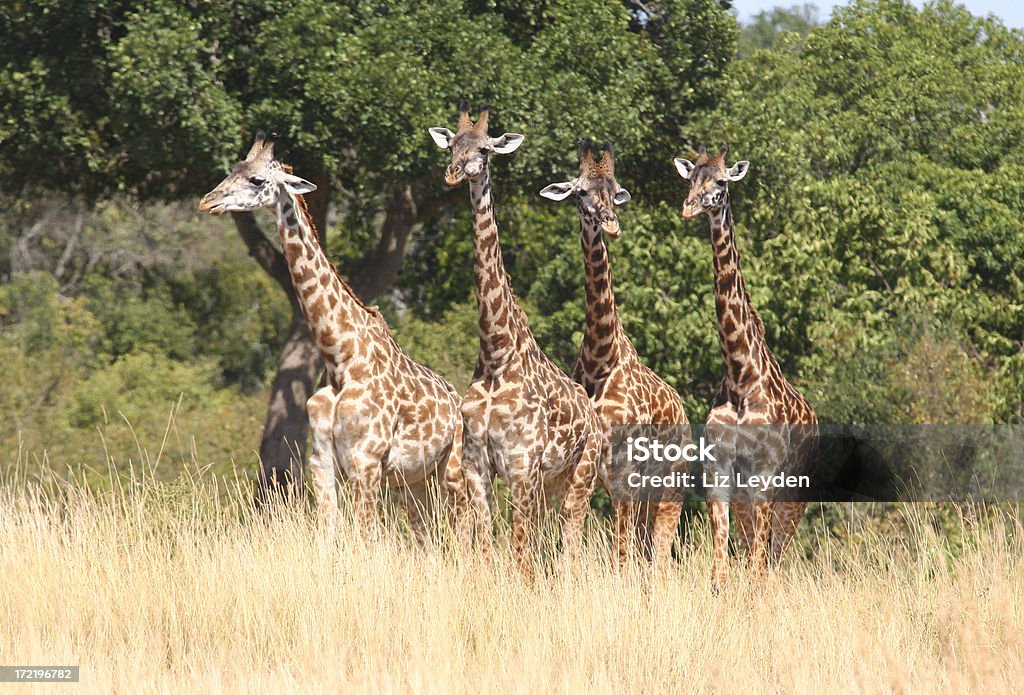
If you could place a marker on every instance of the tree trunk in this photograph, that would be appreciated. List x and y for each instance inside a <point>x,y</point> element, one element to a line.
<point>285,429</point>
<point>381,266</point>
<point>283,445</point>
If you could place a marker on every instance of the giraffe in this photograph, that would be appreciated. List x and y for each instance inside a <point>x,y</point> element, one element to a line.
<point>378,414</point>
<point>623,389</point>
<point>755,407</point>
<point>523,418</point>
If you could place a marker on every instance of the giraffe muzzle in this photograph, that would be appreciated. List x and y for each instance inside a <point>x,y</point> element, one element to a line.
<point>454,174</point>
<point>612,229</point>
<point>210,204</point>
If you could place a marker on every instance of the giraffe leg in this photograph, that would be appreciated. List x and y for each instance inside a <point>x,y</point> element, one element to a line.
<point>665,527</point>
<point>524,489</point>
<point>416,500</point>
<point>482,501</point>
<point>719,513</point>
<point>668,512</point>
<point>577,496</point>
<point>623,515</point>
<point>366,479</point>
<point>784,523</point>
<point>479,494</point>
<point>744,513</point>
<point>721,430</point>
<point>322,464</point>
<point>800,457</point>
<point>625,523</point>
<point>758,558</point>
<point>643,526</point>
<point>457,491</point>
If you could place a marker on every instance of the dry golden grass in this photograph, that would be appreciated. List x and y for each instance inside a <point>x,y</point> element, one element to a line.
<point>176,588</point>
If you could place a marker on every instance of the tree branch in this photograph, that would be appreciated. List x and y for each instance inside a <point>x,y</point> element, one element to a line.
<point>319,201</point>
<point>270,259</point>
<point>408,205</point>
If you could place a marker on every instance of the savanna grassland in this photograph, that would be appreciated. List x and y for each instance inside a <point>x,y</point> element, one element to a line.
<point>162,587</point>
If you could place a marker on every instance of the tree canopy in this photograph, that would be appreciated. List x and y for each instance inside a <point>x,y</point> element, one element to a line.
<point>880,226</point>
<point>159,99</point>
<point>155,101</point>
<point>883,208</point>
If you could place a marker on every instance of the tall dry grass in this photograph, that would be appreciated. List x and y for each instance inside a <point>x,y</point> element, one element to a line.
<point>177,588</point>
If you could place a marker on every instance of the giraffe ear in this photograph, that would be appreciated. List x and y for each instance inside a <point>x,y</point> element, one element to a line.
<point>684,166</point>
<point>297,185</point>
<point>621,196</point>
<point>559,191</point>
<point>738,170</point>
<point>507,143</point>
<point>442,137</point>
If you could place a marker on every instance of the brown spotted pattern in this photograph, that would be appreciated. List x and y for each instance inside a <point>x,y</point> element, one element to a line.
<point>381,417</point>
<point>622,388</point>
<point>753,390</point>
<point>524,419</point>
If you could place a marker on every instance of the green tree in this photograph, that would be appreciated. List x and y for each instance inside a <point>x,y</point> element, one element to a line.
<point>881,189</point>
<point>765,28</point>
<point>157,99</point>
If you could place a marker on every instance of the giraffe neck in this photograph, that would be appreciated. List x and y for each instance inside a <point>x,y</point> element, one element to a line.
<point>601,348</point>
<point>740,331</point>
<point>500,317</point>
<point>335,315</point>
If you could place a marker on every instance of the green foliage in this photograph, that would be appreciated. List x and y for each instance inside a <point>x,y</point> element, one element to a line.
<point>67,407</point>
<point>438,272</point>
<point>135,382</point>
<point>37,319</point>
<point>880,227</point>
<point>131,320</point>
<point>449,345</point>
<point>157,101</point>
<point>167,103</point>
<point>767,26</point>
<point>132,366</point>
<point>239,319</point>
<point>46,341</point>
<point>879,188</point>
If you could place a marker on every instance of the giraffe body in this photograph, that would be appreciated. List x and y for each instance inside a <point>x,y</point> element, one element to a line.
<point>380,416</point>
<point>524,419</point>
<point>761,421</point>
<point>623,389</point>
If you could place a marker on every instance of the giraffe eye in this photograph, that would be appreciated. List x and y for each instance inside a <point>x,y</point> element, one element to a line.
<point>257,180</point>
<point>483,150</point>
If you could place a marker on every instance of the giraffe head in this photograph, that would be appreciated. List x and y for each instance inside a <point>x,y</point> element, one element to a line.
<point>471,145</point>
<point>597,191</point>
<point>709,181</point>
<point>255,182</point>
